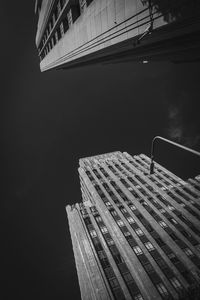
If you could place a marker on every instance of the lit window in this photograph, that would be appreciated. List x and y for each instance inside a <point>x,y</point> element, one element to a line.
<point>163,188</point>
<point>130,220</point>
<point>188,252</point>
<point>120,223</point>
<point>127,233</point>
<point>69,18</point>
<point>132,207</point>
<point>171,207</point>
<point>123,210</point>
<point>174,221</point>
<point>98,219</point>
<point>62,29</point>
<point>93,233</point>
<point>176,283</point>
<point>130,188</point>
<point>162,224</point>
<point>162,289</point>
<point>137,250</point>
<point>104,229</point>
<point>139,232</point>
<point>149,246</point>
<point>138,297</point>
<point>107,203</point>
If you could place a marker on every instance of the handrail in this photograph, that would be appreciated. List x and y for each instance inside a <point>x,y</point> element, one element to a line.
<point>170,142</point>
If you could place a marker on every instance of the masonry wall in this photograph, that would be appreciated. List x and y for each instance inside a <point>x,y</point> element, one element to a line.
<point>147,227</point>
<point>103,24</point>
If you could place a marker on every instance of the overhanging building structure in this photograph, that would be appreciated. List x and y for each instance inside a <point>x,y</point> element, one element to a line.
<point>135,235</point>
<point>80,32</point>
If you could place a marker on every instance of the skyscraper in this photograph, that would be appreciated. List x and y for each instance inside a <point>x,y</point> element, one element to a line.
<point>135,235</point>
<point>80,32</point>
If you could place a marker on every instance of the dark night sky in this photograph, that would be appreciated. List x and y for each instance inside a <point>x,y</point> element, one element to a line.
<point>52,119</point>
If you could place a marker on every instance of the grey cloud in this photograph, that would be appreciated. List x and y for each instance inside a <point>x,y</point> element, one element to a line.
<point>180,131</point>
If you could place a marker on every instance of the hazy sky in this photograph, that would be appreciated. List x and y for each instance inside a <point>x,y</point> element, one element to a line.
<point>52,119</point>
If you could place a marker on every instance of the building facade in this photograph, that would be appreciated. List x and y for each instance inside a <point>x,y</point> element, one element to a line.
<point>80,32</point>
<point>135,235</point>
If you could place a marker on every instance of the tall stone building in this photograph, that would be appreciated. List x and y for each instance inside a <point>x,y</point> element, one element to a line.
<point>135,235</point>
<point>80,32</point>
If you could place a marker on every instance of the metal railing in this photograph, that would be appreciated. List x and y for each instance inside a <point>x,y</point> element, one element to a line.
<point>170,142</point>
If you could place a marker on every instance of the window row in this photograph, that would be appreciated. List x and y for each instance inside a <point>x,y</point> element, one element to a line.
<point>59,23</point>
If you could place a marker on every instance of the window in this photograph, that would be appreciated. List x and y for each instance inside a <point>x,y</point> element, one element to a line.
<point>113,282</point>
<point>123,210</point>
<point>107,203</point>
<point>52,42</point>
<point>128,277</point>
<point>162,289</point>
<point>127,233</point>
<point>53,19</point>
<point>138,297</point>
<point>58,8</point>
<point>162,224</point>
<point>132,207</point>
<point>171,207</point>
<point>69,18</point>
<point>98,219</point>
<point>149,246</point>
<point>162,264</point>
<point>120,223</point>
<point>173,258</point>
<point>93,233</point>
<point>149,269</point>
<point>176,283</point>
<point>137,250</point>
<point>130,188</point>
<point>130,220</point>
<point>56,36</point>
<point>50,26</point>
<point>104,229</point>
<point>174,236</point>
<point>188,252</point>
<point>102,254</point>
<point>174,221</point>
<point>110,242</point>
<point>139,232</point>
<point>83,5</point>
<point>62,29</point>
<point>162,210</point>
<point>105,263</point>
